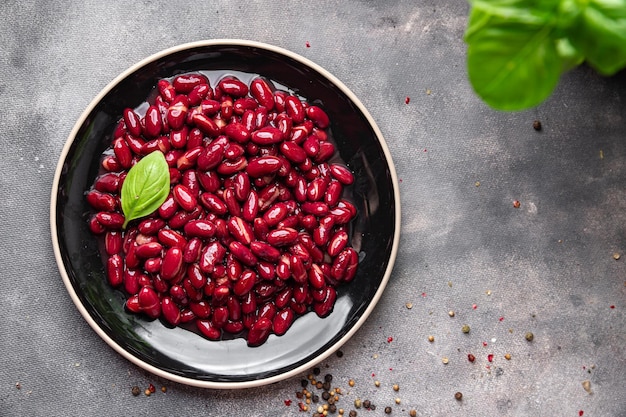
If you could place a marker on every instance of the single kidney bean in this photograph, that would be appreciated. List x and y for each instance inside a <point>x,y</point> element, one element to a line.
<point>262,93</point>
<point>353,263</point>
<point>265,251</point>
<point>316,277</point>
<point>237,132</point>
<point>113,242</point>
<point>152,265</point>
<point>283,321</point>
<point>166,90</point>
<point>171,238</point>
<point>250,207</point>
<point>316,189</point>
<point>318,116</point>
<point>220,313</point>
<point>132,304</point>
<point>283,266</point>
<point>200,309</point>
<point>240,230</point>
<point>149,250</point>
<point>151,226</point>
<point>240,105</point>
<point>293,152</point>
<point>325,307</point>
<point>234,327</point>
<point>259,331</point>
<point>185,199</point>
<point>108,183</point>
<point>201,228</point>
<point>177,112</point>
<point>192,293</point>
<point>333,193</point>
<point>112,221</point>
<point>111,164</point>
<point>282,237</point>
<point>294,109</point>
<point>327,150</point>
<point>185,83</point>
<point>266,270</point>
<point>234,208</point>
<point>275,214</point>
<point>208,329</point>
<point>342,174</point>
<point>171,312</point>
<point>315,208</point>
<point>149,302</point>
<point>191,251</point>
<point>233,87</point>
<point>245,283</point>
<point>234,309</point>
<point>248,304</point>
<point>337,243</point>
<point>123,153</point>
<point>136,145</point>
<point>210,157</point>
<point>199,93</point>
<point>283,297</point>
<point>228,168</point>
<point>298,270</point>
<point>181,217</point>
<point>187,316</point>
<point>172,263</point>
<point>212,254</point>
<point>115,270</point>
<point>262,166</point>
<point>179,137</point>
<point>132,122</point>
<point>102,201</point>
<point>213,203</point>
<point>152,122</point>
<point>207,125</point>
<point>267,135</point>
<point>242,253</point>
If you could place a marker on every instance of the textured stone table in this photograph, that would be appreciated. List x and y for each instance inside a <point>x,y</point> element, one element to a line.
<point>546,267</point>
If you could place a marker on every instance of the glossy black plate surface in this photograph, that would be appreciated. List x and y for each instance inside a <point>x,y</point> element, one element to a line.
<point>182,355</point>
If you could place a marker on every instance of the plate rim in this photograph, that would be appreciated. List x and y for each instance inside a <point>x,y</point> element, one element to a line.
<point>163,373</point>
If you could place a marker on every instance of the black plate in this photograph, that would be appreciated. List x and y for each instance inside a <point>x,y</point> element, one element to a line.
<point>181,355</point>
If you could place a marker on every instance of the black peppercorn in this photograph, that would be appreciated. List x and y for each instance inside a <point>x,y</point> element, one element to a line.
<point>458,396</point>
<point>315,398</point>
<point>352,413</point>
<point>332,408</point>
<point>135,390</point>
<point>304,383</point>
<point>537,125</point>
<point>387,410</point>
<point>326,386</point>
<point>367,403</point>
<point>316,371</point>
<point>325,395</point>
<point>328,378</point>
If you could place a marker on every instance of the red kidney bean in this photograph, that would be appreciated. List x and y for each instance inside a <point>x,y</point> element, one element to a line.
<point>213,203</point>
<point>228,168</point>
<point>135,144</point>
<point>294,109</point>
<point>123,153</point>
<point>283,270</point>
<point>233,87</point>
<point>132,304</point>
<point>200,229</point>
<point>234,327</point>
<point>192,293</point>
<point>151,226</point>
<point>199,93</point>
<point>101,201</point>
<point>265,251</point>
<point>172,263</point>
<point>316,277</point>
<point>152,122</point>
<point>115,270</point>
<point>267,135</point>
<point>327,150</point>
<point>108,183</point>
<point>185,83</point>
<point>207,125</point>
<point>353,263</point>
<point>179,138</point>
<point>283,297</point>
<point>316,254</point>
<point>177,112</point>
<point>318,116</point>
<point>149,302</point>
<point>333,193</point>
<point>191,251</point>
<point>301,252</point>
<point>237,132</point>
<point>283,321</point>
<point>242,253</point>
<point>293,152</point>
<point>166,90</point>
<point>153,265</point>
<point>200,309</point>
<point>171,312</point>
<point>178,294</point>
<point>266,270</point>
<point>220,314</point>
<point>171,238</point>
<point>316,189</point>
<point>210,107</point>
<point>342,174</point>
<point>259,331</point>
<point>262,166</point>
<point>234,208</point>
<point>248,304</point>
<point>325,307</point>
<point>148,250</point>
<point>208,329</point>
<point>282,237</point>
<point>113,242</point>
<point>111,164</point>
<point>132,122</point>
<point>240,105</point>
<point>240,230</point>
<point>113,221</point>
<point>315,208</point>
<point>212,254</point>
<point>299,134</point>
<point>298,270</point>
<point>262,92</point>
<point>337,243</point>
<point>275,214</point>
<point>185,199</point>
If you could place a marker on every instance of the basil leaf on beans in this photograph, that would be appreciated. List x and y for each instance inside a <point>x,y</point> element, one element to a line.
<point>146,187</point>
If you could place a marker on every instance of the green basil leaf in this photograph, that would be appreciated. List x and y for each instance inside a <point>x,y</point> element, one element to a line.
<point>511,65</point>
<point>146,187</point>
<point>600,34</point>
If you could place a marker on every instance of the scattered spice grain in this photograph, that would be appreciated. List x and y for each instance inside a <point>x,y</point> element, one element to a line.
<point>451,313</point>
<point>537,125</point>
<point>465,328</point>
<point>529,336</point>
<point>387,410</point>
<point>458,396</point>
<point>431,339</point>
<point>507,356</point>
<point>135,390</point>
<point>396,387</point>
<point>413,413</point>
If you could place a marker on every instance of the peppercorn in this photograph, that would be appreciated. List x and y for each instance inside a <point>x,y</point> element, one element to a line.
<point>319,385</point>
<point>397,400</point>
<point>387,410</point>
<point>164,389</point>
<point>147,392</point>
<point>537,125</point>
<point>458,396</point>
<point>372,407</point>
<point>299,395</point>
<point>135,390</point>
<point>471,357</point>
<point>431,338</point>
<point>357,403</point>
<point>413,413</point>
<point>444,360</point>
<point>325,395</point>
<point>451,313</point>
<point>352,413</point>
<point>328,378</point>
<point>507,356</point>
<point>332,408</point>
<point>339,354</point>
<point>315,398</point>
<point>351,382</point>
<point>465,328</point>
<point>304,383</point>
<point>367,403</point>
<point>377,383</point>
<point>316,371</point>
<point>529,336</point>
<point>396,387</point>
<point>326,386</point>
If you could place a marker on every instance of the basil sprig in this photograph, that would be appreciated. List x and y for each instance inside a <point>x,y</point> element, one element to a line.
<point>146,187</point>
<point>518,49</point>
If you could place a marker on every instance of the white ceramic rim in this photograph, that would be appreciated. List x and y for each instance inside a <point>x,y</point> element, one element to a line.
<point>190,381</point>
